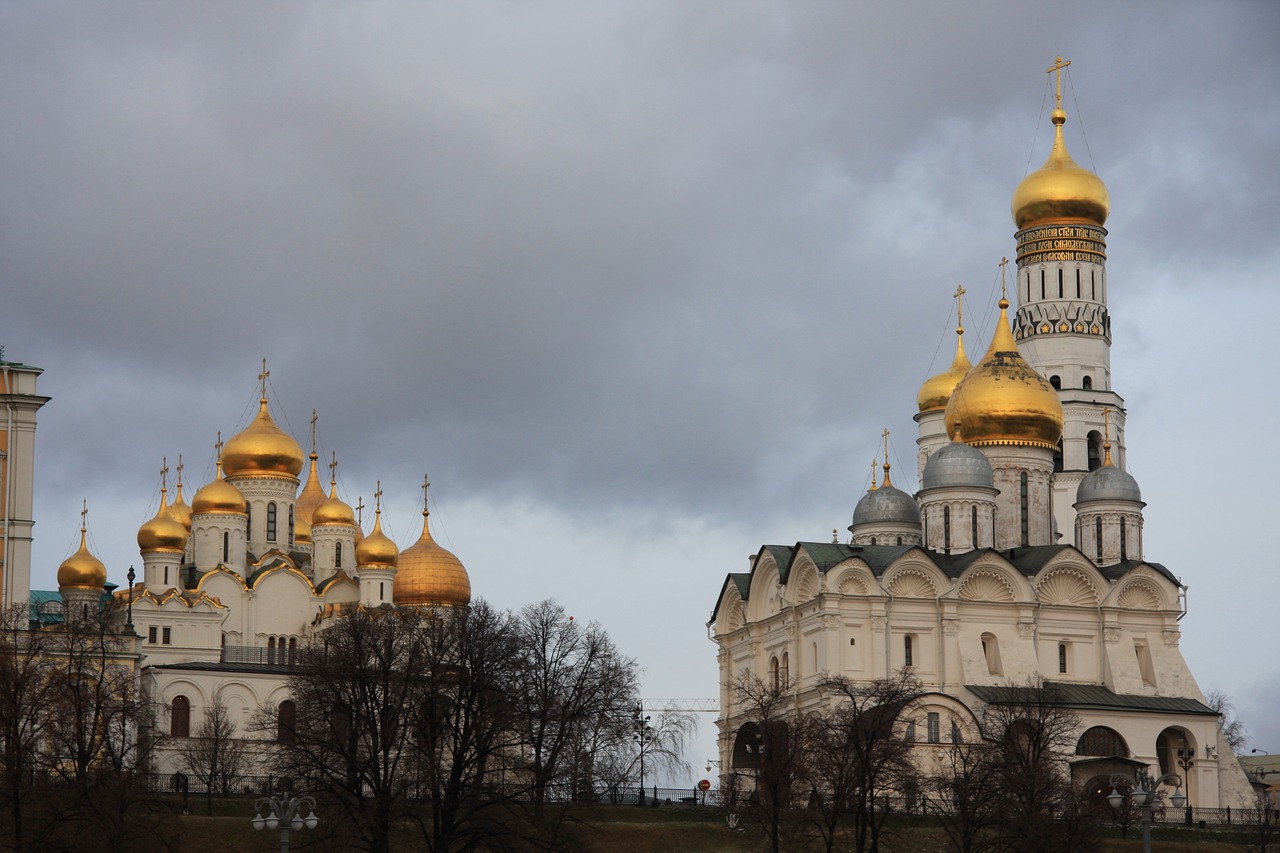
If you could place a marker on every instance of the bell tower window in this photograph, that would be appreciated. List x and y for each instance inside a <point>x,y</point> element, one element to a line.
<point>271,522</point>
<point>1023,508</point>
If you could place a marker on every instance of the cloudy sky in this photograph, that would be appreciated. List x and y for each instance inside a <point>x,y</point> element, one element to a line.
<point>638,284</point>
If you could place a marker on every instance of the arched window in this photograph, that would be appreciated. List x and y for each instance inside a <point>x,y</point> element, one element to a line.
<point>293,650</point>
<point>337,555</point>
<point>1097,532</point>
<point>1101,740</point>
<point>286,721</point>
<point>1056,382</point>
<point>1024,509</point>
<point>1042,283</point>
<point>908,658</point>
<point>290,527</point>
<point>271,649</point>
<point>786,668</point>
<point>1095,450</point>
<point>226,546</point>
<point>1063,658</point>
<point>1124,550</point>
<point>1087,382</point>
<point>1059,282</point>
<point>271,522</point>
<point>991,651</point>
<point>773,673</point>
<point>974,515</point>
<point>180,717</point>
<point>248,525</point>
<point>946,530</point>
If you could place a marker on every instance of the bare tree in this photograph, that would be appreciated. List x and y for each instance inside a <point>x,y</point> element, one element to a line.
<point>965,783</point>
<point>1233,730</point>
<point>569,677</point>
<point>216,756</point>
<point>858,759</point>
<point>24,681</point>
<point>1261,824</point>
<point>774,739</point>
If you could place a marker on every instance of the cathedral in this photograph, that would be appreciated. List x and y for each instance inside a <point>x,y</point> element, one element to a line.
<point>233,582</point>
<point>1021,557</point>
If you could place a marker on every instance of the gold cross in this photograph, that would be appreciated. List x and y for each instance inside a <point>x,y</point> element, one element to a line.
<point>873,474</point>
<point>960,291</point>
<point>217,446</point>
<point>179,469</point>
<point>1004,265</point>
<point>333,469</point>
<point>426,486</point>
<point>164,471</point>
<point>314,418</point>
<point>1058,65</point>
<point>360,509</point>
<point>262,377</point>
<point>886,457</point>
<point>84,511</point>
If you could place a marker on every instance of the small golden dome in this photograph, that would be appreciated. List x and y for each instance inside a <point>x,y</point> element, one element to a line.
<point>1060,190</point>
<point>262,448</point>
<point>312,494</point>
<point>377,551</point>
<point>1004,400</point>
<point>334,510</point>
<point>218,496</point>
<point>430,575</point>
<point>164,532</point>
<point>82,570</point>
<point>301,532</point>
<point>936,391</point>
<point>179,509</point>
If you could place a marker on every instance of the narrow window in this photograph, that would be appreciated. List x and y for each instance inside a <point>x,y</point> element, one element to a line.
<point>180,717</point>
<point>382,591</point>
<point>248,525</point>
<point>1088,383</point>
<point>293,651</point>
<point>1056,382</point>
<point>1059,282</point>
<point>899,540</point>
<point>1093,286</point>
<point>166,575</point>
<point>290,527</point>
<point>1077,282</point>
<point>286,721</point>
<point>1124,550</point>
<point>910,734</point>
<point>1062,658</point>
<point>271,649</point>
<point>1023,507</point>
<point>166,635</point>
<point>974,519</point>
<point>226,546</point>
<point>271,522</point>
<point>946,529</point>
<point>1057,458</point>
<point>956,735</point>
<point>1042,284</point>
<point>1028,285</point>
<point>1144,664</point>
<point>337,555</point>
<point>873,540</point>
<point>774,673</point>
<point>991,651</point>
<point>934,727</point>
<point>151,635</point>
<point>785,673</point>
<point>907,658</point>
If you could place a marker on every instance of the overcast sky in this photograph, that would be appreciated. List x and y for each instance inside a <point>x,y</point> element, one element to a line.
<point>638,284</point>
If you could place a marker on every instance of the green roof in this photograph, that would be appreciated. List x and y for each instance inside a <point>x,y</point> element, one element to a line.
<point>1094,697</point>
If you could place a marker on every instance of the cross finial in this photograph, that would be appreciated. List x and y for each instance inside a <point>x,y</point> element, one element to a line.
<point>1058,65</point>
<point>164,472</point>
<point>1004,290</point>
<point>360,510</point>
<point>377,497</point>
<point>874,463</point>
<point>179,469</point>
<point>333,469</point>
<point>426,488</point>
<point>960,292</point>
<point>262,377</point>
<point>217,446</point>
<point>314,418</point>
<point>84,512</point>
<point>886,457</point>
<point>1106,437</point>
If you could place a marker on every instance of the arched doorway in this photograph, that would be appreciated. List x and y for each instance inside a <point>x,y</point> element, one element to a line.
<point>1176,753</point>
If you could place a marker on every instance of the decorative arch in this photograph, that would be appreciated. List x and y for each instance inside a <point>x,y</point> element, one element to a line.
<point>986,585</point>
<point>912,583</point>
<point>1140,595</point>
<point>1102,741</point>
<point>763,599</point>
<point>1068,587</point>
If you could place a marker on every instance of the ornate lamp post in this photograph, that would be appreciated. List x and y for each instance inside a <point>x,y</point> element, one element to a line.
<point>286,813</point>
<point>642,736</point>
<point>129,618</point>
<point>1143,796</point>
<point>1186,760</point>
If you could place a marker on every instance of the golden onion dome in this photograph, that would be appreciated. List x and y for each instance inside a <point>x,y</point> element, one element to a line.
<point>218,496</point>
<point>377,551</point>
<point>179,509</point>
<point>82,570</point>
<point>1004,400</point>
<point>163,532</point>
<point>936,391</point>
<point>262,448</point>
<point>430,575</point>
<point>312,494</point>
<point>301,532</point>
<point>334,510</point>
<point>1060,190</point>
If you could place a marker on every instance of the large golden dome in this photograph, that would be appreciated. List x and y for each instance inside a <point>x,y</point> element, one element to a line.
<point>430,575</point>
<point>262,449</point>
<point>377,551</point>
<point>1004,400</point>
<point>1060,190</point>
<point>164,532</point>
<point>936,391</point>
<point>82,570</point>
<point>334,510</point>
<point>218,496</point>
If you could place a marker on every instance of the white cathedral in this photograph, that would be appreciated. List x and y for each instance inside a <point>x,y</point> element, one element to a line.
<point>1021,557</point>
<point>233,582</point>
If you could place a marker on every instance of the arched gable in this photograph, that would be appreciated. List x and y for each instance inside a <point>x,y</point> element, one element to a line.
<point>911,577</point>
<point>952,709</point>
<point>341,588</point>
<point>987,583</point>
<point>1139,594</point>
<point>223,584</point>
<point>731,613</point>
<point>1070,580</point>
<point>764,600</point>
<point>183,686</point>
<point>803,584</point>
<point>280,577</point>
<point>852,577</point>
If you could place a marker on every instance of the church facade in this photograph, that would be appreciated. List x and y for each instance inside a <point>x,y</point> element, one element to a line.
<point>1021,557</point>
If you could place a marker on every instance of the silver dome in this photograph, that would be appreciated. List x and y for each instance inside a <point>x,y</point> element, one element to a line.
<point>957,464</point>
<point>886,504</point>
<point>1108,483</point>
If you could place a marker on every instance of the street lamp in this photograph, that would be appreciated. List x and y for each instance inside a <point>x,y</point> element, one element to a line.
<point>643,734</point>
<point>1186,760</point>
<point>286,813</point>
<point>1143,796</point>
